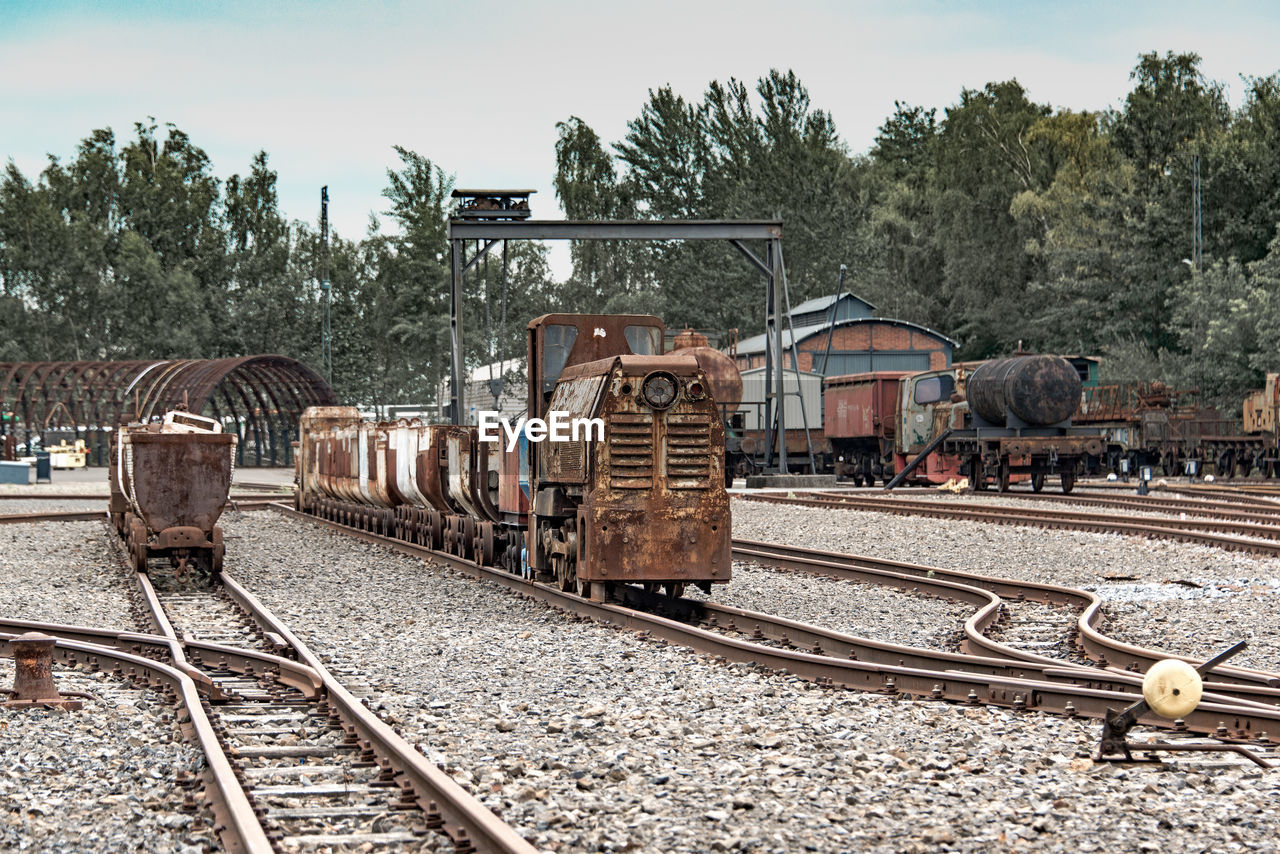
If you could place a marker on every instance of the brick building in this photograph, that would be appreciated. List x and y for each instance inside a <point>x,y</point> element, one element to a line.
<point>853,342</point>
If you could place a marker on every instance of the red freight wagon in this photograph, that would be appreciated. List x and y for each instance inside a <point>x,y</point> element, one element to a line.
<point>859,417</point>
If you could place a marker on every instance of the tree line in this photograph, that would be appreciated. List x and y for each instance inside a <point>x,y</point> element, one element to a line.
<point>999,220</point>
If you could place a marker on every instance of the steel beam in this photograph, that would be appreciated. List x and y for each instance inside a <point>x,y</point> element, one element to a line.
<point>615,230</point>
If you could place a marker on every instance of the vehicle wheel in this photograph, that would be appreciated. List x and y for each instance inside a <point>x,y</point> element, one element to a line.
<point>1068,481</point>
<point>977,480</point>
<point>486,541</point>
<point>1004,475</point>
<point>1037,481</point>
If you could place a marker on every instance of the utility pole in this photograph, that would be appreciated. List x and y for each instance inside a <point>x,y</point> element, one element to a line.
<point>1197,221</point>
<point>326,334</point>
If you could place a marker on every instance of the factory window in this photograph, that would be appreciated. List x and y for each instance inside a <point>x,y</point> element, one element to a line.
<point>934,389</point>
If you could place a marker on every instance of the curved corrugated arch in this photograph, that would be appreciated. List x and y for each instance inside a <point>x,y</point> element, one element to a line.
<point>259,397</point>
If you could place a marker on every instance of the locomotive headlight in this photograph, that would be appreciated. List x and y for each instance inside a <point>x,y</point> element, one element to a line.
<point>696,390</point>
<point>659,390</point>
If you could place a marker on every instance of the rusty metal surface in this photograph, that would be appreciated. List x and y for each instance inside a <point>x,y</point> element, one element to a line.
<point>33,674</point>
<point>263,396</point>
<point>1040,390</point>
<point>180,479</point>
<point>654,506</point>
<point>861,405</point>
<point>598,337</point>
<point>723,377</point>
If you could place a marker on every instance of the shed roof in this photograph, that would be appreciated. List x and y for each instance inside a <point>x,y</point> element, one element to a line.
<point>756,343</point>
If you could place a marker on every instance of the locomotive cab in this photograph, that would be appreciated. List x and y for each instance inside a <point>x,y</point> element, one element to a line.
<point>643,499</point>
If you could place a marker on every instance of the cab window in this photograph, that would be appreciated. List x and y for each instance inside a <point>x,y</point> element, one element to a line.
<point>644,340</point>
<point>557,343</point>
<point>934,389</point>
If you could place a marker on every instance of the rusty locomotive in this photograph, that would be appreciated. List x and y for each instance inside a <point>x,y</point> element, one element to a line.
<point>169,483</point>
<point>642,503</point>
<point>995,423</point>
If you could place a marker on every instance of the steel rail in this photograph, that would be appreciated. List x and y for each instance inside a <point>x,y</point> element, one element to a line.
<point>156,647</point>
<point>52,516</point>
<point>1085,518</point>
<point>1227,493</point>
<point>467,821</point>
<point>942,680</point>
<point>1256,691</point>
<point>255,503</point>
<point>1158,528</point>
<point>1263,686</point>
<point>236,825</point>
<point>1150,503</point>
<point>1037,668</point>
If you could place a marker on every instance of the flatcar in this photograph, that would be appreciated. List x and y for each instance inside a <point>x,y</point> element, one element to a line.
<point>995,423</point>
<point>641,500</point>
<point>169,483</point>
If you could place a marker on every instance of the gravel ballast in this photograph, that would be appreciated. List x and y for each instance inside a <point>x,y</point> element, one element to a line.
<point>1144,583</point>
<point>98,779</point>
<point>586,738</point>
<point>63,572</point>
<point>863,610</point>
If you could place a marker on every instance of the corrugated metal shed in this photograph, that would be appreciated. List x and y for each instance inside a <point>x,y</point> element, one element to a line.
<point>810,388</point>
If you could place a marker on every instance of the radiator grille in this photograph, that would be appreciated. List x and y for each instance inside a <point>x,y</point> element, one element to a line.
<point>688,451</point>
<point>566,461</point>
<point>631,451</point>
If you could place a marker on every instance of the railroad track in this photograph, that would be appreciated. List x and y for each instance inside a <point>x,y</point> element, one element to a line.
<point>1242,706</point>
<point>296,761</point>
<point>1232,536</point>
<point>992,672</point>
<point>1261,513</point>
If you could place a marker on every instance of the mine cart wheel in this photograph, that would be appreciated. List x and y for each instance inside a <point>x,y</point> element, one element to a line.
<point>217,552</point>
<point>977,479</point>
<point>1068,481</point>
<point>469,535</point>
<point>437,529</point>
<point>562,548</point>
<point>673,589</point>
<point>138,545</point>
<point>1037,481</point>
<point>485,539</point>
<point>1004,475</point>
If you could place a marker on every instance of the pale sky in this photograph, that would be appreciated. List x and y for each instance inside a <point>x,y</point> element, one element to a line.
<point>327,88</point>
